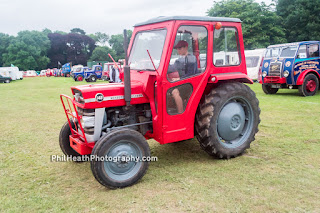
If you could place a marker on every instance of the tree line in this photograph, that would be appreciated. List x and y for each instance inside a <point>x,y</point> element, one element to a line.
<point>37,50</point>
<point>262,25</point>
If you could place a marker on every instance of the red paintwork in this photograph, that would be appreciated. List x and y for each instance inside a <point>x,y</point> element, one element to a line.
<point>214,78</point>
<point>303,75</point>
<point>78,140</point>
<point>311,85</point>
<point>274,80</point>
<point>154,86</point>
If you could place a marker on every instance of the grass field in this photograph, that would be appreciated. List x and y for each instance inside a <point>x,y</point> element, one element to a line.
<point>279,173</point>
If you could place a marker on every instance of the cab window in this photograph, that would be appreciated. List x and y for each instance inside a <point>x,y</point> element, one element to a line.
<point>313,50</point>
<point>302,53</point>
<point>189,54</point>
<point>226,49</point>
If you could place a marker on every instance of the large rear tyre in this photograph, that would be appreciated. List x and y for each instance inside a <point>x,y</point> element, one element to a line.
<point>119,148</point>
<point>227,120</point>
<point>310,85</point>
<point>268,90</point>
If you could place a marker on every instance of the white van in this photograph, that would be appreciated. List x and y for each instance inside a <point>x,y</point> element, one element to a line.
<point>253,61</point>
<point>14,72</point>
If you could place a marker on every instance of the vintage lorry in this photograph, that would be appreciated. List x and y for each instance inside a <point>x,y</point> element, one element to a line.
<point>91,75</point>
<point>291,65</point>
<point>78,75</point>
<point>164,97</point>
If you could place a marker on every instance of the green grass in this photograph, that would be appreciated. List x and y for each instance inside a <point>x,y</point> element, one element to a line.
<point>279,173</point>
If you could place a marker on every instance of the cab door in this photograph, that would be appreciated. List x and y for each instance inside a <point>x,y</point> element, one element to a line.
<point>184,81</point>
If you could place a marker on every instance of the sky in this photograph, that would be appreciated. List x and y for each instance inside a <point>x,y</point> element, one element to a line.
<point>106,16</point>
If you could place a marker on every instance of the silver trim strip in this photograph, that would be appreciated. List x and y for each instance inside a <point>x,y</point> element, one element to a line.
<point>112,98</point>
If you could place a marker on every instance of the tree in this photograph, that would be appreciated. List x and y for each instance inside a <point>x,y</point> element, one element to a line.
<point>100,38</point>
<point>260,25</point>
<point>101,54</point>
<point>28,51</point>
<point>58,50</point>
<point>78,31</point>
<point>301,19</point>
<point>72,47</point>
<point>116,43</point>
<point>4,44</point>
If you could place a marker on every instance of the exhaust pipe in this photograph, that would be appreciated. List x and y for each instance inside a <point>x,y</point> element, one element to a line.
<point>126,71</point>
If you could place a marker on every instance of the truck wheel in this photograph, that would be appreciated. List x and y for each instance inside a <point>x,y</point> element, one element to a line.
<point>310,85</point>
<point>79,78</point>
<point>93,78</point>
<point>227,120</point>
<point>268,90</point>
<point>64,141</point>
<point>114,171</point>
<point>7,81</point>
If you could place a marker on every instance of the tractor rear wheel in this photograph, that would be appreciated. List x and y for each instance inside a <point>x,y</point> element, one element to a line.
<point>310,85</point>
<point>268,90</point>
<point>64,141</point>
<point>227,120</point>
<point>117,158</point>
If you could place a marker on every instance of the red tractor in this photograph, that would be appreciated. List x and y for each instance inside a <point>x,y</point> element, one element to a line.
<point>184,77</point>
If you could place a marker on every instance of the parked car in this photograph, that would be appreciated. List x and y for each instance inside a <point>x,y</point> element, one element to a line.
<point>4,79</point>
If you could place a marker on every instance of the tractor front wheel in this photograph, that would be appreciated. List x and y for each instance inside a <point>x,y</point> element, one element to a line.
<point>117,159</point>
<point>268,90</point>
<point>64,141</point>
<point>227,120</point>
<point>310,85</point>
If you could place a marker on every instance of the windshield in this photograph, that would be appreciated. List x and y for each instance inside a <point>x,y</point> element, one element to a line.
<point>76,69</point>
<point>289,51</point>
<point>252,61</point>
<point>152,41</point>
<point>273,52</point>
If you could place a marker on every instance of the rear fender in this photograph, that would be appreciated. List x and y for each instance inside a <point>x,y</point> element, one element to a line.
<point>235,76</point>
<point>304,74</point>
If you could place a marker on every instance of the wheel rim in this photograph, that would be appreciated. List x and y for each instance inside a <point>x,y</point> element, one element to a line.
<point>80,78</point>
<point>311,86</point>
<point>93,78</point>
<point>234,123</point>
<point>117,167</point>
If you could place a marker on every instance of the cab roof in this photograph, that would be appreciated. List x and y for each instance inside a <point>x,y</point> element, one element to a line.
<point>293,44</point>
<point>188,18</point>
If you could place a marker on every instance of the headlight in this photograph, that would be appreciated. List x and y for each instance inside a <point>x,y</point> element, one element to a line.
<point>264,74</point>
<point>286,73</point>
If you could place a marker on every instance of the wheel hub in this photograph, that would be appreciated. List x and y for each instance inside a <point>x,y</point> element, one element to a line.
<point>121,162</point>
<point>311,85</point>
<point>235,121</point>
<point>231,121</point>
